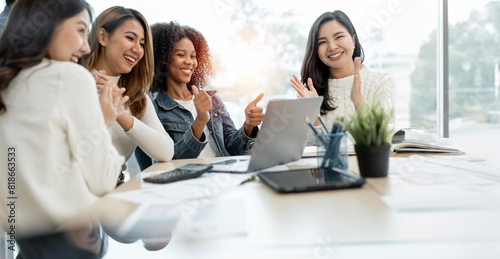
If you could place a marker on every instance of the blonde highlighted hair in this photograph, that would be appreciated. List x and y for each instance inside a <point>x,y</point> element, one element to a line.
<point>139,79</point>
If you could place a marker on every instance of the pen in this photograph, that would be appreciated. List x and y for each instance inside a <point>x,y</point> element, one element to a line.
<point>314,130</point>
<point>310,125</point>
<point>323,123</point>
<point>249,179</point>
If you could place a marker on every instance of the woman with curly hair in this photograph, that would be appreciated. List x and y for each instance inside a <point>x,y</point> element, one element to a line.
<point>122,55</point>
<point>193,117</point>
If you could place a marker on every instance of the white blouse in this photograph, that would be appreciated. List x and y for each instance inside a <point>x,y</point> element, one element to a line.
<point>147,133</point>
<point>64,158</point>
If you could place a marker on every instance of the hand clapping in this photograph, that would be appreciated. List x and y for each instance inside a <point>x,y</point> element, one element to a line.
<point>356,97</point>
<point>110,103</point>
<point>302,91</point>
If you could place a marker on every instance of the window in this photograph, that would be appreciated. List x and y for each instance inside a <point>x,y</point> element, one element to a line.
<point>258,45</point>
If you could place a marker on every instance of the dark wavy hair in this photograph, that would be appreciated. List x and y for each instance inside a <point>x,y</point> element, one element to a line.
<point>314,68</point>
<point>165,36</point>
<point>9,2</point>
<point>25,39</point>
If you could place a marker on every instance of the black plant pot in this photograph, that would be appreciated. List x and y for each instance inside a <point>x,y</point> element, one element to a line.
<point>373,161</point>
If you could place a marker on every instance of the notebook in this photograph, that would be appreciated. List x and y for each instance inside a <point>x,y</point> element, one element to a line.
<point>281,138</point>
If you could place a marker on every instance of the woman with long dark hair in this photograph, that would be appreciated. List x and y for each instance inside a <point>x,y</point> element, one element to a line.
<point>55,142</point>
<point>333,68</point>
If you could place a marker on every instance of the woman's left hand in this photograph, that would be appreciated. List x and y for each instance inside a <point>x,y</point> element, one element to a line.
<point>356,97</point>
<point>253,114</point>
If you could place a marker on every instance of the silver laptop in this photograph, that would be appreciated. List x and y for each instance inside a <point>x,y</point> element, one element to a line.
<point>281,138</point>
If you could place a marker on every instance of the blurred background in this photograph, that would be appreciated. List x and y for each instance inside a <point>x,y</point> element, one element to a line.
<point>258,45</point>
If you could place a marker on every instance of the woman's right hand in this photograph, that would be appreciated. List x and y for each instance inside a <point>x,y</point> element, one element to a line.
<point>111,101</point>
<point>124,118</point>
<point>302,91</point>
<point>203,106</point>
<point>101,80</point>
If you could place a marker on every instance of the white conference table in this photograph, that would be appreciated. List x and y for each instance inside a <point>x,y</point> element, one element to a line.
<point>352,223</point>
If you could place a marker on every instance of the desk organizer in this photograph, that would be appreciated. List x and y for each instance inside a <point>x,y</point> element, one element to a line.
<point>332,150</point>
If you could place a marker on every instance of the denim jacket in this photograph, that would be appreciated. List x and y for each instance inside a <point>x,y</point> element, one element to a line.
<point>177,121</point>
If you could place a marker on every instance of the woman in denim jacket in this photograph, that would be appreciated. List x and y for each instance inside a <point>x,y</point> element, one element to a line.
<point>197,120</point>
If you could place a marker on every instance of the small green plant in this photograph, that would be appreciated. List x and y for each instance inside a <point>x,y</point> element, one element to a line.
<point>369,126</point>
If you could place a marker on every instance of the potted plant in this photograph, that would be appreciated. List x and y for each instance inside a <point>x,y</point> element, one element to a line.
<point>369,128</point>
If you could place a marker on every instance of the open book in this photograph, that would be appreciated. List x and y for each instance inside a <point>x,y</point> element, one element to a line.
<point>416,141</point>
<point>408,146</point>
<point>408,140</point>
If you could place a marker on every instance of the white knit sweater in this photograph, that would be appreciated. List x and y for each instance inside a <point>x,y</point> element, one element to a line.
<point>376,86</point>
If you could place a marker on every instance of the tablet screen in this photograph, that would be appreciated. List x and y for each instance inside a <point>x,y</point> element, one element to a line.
<point>313,179</point>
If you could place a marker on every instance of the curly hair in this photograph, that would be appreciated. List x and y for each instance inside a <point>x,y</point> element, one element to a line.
<point>165,36</point>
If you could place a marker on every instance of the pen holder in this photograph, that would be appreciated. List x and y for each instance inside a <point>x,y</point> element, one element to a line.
<point>332,150</point>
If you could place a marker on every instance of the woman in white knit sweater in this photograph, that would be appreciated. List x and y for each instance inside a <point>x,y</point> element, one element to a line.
<point>333,68</point>
<point>122,55</point>
<point>56,156</point>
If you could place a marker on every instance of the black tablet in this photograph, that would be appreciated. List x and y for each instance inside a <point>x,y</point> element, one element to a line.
<point>314,179</point>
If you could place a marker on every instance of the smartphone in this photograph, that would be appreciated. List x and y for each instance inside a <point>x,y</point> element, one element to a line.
<point>185,172</point>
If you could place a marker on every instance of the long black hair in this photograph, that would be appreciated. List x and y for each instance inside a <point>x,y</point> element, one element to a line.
<point>314,68</point>
<point>165,36</point>
<point>27,35</point>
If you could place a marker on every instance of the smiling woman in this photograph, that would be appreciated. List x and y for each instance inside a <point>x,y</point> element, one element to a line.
<point>197,120</point>
<point>69,37</point>
<point>48,112</point>
<point>122,56</point>
<point>332,68</point>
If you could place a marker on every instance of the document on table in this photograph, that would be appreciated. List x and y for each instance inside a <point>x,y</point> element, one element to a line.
<point>442,182</point>
<point>221,217</point>
<point>150,221</point>
<point>206,186</point>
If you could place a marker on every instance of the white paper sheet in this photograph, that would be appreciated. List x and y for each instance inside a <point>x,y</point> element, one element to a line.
<point>220,218</point>
<point>150,221</point>
<point>442,182</point>
<point>208,185</point>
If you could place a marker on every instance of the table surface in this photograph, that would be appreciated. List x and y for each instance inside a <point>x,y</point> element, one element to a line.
<point>349,223</point>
